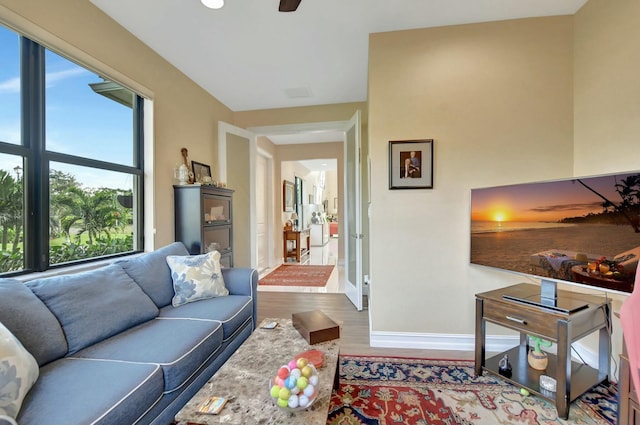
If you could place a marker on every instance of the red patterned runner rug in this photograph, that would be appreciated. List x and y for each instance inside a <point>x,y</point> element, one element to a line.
<point>391,390</point>
<point>297,275</point>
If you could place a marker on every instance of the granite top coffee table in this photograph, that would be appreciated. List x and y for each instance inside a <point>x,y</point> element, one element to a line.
<point>244,381</point>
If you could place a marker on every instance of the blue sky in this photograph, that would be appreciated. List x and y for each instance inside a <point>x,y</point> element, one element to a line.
<point>78,121</point>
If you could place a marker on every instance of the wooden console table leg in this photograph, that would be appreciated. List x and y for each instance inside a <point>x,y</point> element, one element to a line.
<point>480,337</point>
<point>604,346</point>
<point>563,376</point>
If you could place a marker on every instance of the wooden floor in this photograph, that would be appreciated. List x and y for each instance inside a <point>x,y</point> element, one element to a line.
<point>354,332</point>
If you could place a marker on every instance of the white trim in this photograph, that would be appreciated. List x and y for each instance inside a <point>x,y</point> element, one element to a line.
<point>300,128</point>
<point>149,231</point>
<point>461,342</point>
<point>270,197</point>
<point>434,341</point>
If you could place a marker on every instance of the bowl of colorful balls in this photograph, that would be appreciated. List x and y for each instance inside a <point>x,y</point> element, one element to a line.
<point>295,385</point>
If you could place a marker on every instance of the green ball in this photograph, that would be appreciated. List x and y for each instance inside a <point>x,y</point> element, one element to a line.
<point>524,392</point>
<point>283,402</point>
<point>302,382</point>
<point>275,391</point>
<point>284,393</point>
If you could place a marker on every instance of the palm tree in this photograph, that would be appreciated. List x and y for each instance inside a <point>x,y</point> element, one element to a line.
<point>11,206</point>
<point>629,191</point>
<point>91,212</point>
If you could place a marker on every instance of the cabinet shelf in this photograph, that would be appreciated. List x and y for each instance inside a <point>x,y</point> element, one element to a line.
<point>203,220</point>
<point>583,376</point>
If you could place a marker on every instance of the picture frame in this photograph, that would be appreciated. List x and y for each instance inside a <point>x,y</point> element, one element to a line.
<point>288,195</point>
<point>200,171</point>
<point>411,164</point>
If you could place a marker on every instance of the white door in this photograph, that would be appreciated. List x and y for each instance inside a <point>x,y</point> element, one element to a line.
<point>263,184</point>
<point>353,210</point>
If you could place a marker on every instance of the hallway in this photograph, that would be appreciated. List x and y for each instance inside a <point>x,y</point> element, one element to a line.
<point>318,255</point>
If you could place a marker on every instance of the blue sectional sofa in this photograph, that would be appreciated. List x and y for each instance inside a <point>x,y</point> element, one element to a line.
<point>112,349</point>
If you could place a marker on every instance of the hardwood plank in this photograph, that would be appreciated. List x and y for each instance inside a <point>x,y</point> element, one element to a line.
<point>354,332</point>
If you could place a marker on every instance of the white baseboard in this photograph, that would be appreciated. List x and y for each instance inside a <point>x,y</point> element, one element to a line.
<point>452,342</point>
<point>462,342</point>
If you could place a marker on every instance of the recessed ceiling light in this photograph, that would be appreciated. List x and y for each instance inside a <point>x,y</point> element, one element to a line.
<point>213,4</point>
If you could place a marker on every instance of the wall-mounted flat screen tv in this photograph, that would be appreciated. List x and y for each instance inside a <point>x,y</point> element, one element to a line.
<point>583,231</point>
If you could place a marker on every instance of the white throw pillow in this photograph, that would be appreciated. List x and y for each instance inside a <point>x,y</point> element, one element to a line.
<point>196,277</point>
<point>18,372</point>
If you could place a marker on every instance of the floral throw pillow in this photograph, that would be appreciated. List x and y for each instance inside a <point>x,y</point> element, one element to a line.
<point>196,277</point>
<point>18,372</point>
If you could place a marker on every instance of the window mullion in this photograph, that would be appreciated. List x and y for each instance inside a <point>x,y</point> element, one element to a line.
<point>36,173</point>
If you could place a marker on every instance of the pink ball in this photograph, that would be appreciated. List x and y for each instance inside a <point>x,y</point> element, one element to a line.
<point>292,364</point>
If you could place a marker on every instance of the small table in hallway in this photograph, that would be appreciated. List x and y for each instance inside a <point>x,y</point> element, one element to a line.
<point>301,239</point>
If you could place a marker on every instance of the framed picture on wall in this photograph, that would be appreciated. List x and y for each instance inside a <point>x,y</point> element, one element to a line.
<point>411,164</point>
<point>288,195</point>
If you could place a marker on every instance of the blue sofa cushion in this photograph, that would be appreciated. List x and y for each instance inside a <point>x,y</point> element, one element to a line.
<point>232,311</point>
<point>31,322</point>
<point>73,391</point>
<point>94,305</point>
<point>152,272</point>
<point>180,346</point>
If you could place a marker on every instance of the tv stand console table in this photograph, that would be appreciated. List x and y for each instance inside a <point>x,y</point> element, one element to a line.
<point>562,328</point>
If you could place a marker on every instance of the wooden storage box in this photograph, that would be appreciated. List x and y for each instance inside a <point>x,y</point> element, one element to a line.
<point>315,326</point>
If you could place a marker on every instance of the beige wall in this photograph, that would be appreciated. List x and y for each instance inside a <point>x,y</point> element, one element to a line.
<point>239,179</point>
<point>301,115</point>
<point>185,115</point>
<point>607,98</point>
<point>497,100</point>
<point>607,88</point>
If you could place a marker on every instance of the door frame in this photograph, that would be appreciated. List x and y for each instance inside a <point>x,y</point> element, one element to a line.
<point>270,200</point>
<point>224,129</point>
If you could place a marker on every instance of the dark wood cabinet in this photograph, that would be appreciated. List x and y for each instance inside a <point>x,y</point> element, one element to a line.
<point>203,220</point>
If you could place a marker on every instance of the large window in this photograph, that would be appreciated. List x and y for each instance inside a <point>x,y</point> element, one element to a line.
<point>70,161</point>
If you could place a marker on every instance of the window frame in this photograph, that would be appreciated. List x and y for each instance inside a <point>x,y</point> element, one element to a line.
<point>36,161</point>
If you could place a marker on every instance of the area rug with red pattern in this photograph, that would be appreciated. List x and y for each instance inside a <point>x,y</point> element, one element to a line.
<point>391,390</point>
<point>298,275</point>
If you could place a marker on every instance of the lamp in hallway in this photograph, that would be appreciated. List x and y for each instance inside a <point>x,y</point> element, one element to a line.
<point>294,218</point>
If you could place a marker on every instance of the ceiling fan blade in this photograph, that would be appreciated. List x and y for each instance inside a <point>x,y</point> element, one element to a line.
<point>288,5</point>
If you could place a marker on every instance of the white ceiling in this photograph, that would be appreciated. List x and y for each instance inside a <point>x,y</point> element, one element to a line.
<point>250,56</point>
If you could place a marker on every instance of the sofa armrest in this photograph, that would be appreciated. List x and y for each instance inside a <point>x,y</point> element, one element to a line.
<point>243,281</point>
